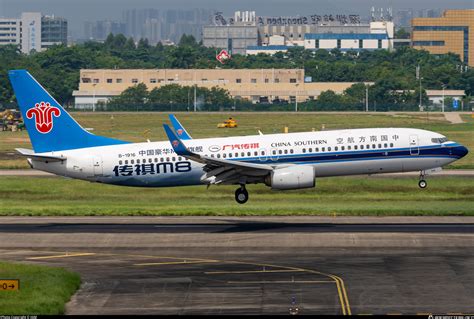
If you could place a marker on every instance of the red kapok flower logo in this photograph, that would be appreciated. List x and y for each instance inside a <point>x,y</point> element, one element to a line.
<point>43,114</point>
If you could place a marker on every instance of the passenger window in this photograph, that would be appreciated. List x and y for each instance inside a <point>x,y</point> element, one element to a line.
<point>368,147</point>
<point>279,152</point>
<point>120,162</point>
<point>249,154</point>
<point>255,153</point>
<point>385,145</point>
<point>349,147</point>
<point>173,159</point>
<point>212,155</point>
<point>374,146</point>
<point>179,158</point>
<point>274,152</point>
<point>156,160</point>
<point>138,161</point>
<point>391,144</point>
<point>336,148</point>
<point>316,149</point>
<point>362,147</point>
<point>380,145</point>
<point>342,148</point>
<point>162,159</point>
<point>355,147</point>
<point>132,162</point>
<point>291,151</point>
<point>150,160</point>
<point>218,155</point>
<point>286,151</point>
<point>224,155</point>
<point>263,153</point>
<point>329,149</point>
<point>311,150</point>
<point>230,155</point>
<point>304,150</point>
<point>167,159</point>
<point>236,154</point>
<point>243,154</point>
<point>323,149</point>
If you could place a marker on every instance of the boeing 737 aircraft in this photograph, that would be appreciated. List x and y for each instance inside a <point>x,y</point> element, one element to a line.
<point>281,161</point>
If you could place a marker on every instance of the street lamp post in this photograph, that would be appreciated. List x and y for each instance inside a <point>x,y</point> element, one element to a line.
<point>296,98</point>
<point>442,105</point>
<point>367,98</point>
<point>93,98</point>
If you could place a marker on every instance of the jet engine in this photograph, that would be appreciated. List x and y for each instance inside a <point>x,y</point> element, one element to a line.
<point>293,177</point>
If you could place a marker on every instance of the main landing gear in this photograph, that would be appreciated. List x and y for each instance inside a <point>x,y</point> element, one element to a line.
<point>241,194</point>
<point>422,183</point>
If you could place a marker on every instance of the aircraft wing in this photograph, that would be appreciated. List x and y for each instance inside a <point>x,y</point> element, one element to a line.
<point>219,171</point>
<point>179,128</point>
<point>37,157</point>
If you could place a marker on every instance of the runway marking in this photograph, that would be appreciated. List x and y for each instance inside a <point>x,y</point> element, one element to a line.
<point>61,256</point>
<point>283,282</point>
<point>177,263</point>
<point>248,271</point>
<point>341,290</point>
<point>394,314</point>
<point>423,314</point>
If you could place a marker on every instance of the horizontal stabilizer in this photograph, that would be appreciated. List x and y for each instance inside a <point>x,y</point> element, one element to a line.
<point>39,157</point>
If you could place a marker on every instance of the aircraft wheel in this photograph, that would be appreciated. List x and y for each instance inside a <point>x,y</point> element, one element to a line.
<point>241,195</point>
<point>422,183</point>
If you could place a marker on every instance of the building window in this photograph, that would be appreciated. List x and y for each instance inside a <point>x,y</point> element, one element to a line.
<point>317,44</point>
<point>292,99</point>
<point>266,81</point>
<point>253,81</point>
<point>86,80</point>
<point>95,80</point>
<point>118,81</point>
<point>428,43</point>
<point>153,81</point>
<point>361,44</point>
<point>277,80</point>
<point>339,43</point>
<point>109,81</point>
<point>292,80</point>
<point>134,80</point>
<point>379,44</point>
<point>238,80</point>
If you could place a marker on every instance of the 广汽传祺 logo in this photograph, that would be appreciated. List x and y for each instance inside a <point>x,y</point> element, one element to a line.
<point>43,114</point>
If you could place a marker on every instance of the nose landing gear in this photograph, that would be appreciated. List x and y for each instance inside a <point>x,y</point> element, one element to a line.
<point>422,183</point>
<point>241,195</point>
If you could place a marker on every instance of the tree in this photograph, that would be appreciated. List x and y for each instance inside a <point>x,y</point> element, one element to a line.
<point>402,34</point>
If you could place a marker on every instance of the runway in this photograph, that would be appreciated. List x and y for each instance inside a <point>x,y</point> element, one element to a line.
<point>254,265</point>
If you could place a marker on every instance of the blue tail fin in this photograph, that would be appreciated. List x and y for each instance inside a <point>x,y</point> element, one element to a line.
<point>50,127</point>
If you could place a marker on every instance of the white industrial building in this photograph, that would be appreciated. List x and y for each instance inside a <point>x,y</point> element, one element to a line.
<point>374,36</point>
<point>33,32</point>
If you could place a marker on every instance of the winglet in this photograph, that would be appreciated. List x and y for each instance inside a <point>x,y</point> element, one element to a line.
<point>180,130</point>
<point>176,142</point>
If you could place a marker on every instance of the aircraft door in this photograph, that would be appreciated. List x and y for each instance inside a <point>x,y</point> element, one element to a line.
<point>97,166</point>
<point>414,146</point>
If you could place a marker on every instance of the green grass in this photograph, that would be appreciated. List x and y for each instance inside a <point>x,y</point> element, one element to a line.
<point>43,290</point>
<point>137,127</point>
<point>369,196</point>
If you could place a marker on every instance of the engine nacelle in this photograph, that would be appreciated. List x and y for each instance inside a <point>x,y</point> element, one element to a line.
<point>293,177</point>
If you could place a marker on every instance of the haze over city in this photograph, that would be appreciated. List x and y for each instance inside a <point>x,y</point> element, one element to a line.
<point>77,13</point>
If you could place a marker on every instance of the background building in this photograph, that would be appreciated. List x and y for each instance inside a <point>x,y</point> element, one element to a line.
<point>246,33</point>
<point>33,32</point>
<point>152,24</point>
<point>453,32</point>
<point>256,85</point>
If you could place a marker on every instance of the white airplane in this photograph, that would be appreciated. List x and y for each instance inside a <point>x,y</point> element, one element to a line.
<point>281,161</point>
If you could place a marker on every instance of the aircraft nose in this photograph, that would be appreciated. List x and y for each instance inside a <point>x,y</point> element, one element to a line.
<point>461,151</point>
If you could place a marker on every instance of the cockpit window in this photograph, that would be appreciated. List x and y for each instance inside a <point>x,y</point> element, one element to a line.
<point>439,140</point>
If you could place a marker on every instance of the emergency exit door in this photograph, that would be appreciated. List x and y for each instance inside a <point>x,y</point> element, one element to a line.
<point>414,146</point>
